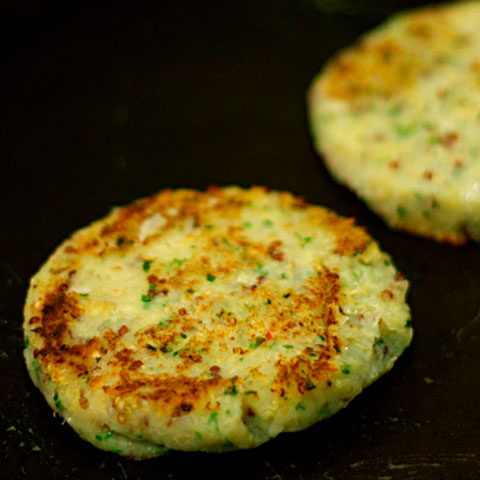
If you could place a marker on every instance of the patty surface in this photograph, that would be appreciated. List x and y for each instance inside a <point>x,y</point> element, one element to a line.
<point>396,118</point>
<point>211,321</point>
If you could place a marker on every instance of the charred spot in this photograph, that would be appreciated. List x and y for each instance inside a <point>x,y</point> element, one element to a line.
<point>33,320</point>
<point>37,330</point>
<point>186,407</point>
<point>121,241</point>
<point>299,202</point>
<point>154,280</point>
<point>274,250</point>
<point>123,330</point>
<point>135,365</point>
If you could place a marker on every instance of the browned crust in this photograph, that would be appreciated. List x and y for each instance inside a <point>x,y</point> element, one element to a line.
<point>312,311</point>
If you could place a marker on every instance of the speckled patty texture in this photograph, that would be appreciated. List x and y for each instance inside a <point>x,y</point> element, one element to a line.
<point>396,117</point>
<point>211,321</point>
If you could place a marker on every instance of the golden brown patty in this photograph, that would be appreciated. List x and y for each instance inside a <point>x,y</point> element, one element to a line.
<point>211,321</point>
<point>396,118</point>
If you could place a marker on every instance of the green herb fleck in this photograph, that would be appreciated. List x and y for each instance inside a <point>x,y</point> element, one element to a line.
<point>176,262</point>
<point>387,262</point>
<point>258,341</point>
<point>346,369</point>
<point>401,212</point>
<point>259,269</point>
<point>283,276</point>
<point>210,277</point>
<point>395,111</point>
<point>58,403</point>
<point>337,348</point>
<point>183,335</point>
<point>404,131</point>
<point>247,224</point>
<point>288,347</point>
<point>213,418</point>
<point>322,338</point>
<point>300,406</point>
<point>208,227</point>
<point>146,298</point>
<point>408,324</point>
<point>303,240</point>
<point>267,223</point>
<point>83,294</point>
<point>268,302</point>
<point>27,343</point>
<point>164,323</point>
<point>232,390</point>
<point>146,265</point>
<point>355,275</point>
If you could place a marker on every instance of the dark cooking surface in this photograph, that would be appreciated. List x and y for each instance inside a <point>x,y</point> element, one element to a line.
<point>105,102</point>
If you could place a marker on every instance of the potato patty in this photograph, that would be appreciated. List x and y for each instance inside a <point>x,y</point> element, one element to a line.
<point>396,118</point>
<point>211,321</point>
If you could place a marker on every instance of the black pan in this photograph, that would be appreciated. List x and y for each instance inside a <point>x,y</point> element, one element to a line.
<point>105,102</point>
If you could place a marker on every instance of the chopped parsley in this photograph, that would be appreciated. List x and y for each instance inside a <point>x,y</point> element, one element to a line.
<point>268,302</point>
<point>146,265</point>
<point>247,224</point>
<point>58,403</point>
<point>267,223</point>
<point>402,213</point>
<point>176,262</point>
<point>404,131</point>
<point>232,390</point>
<point>303,240</point>
<point>300,406</point>
<point>346,369</point>
<point>408,323</point>
<point>258,341</point>
<point>213,418</point>
<point>210,277</point>
<point>259,269</point>
<point>83,294</point>
<point>146,298</point>
<point>288,347</point>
